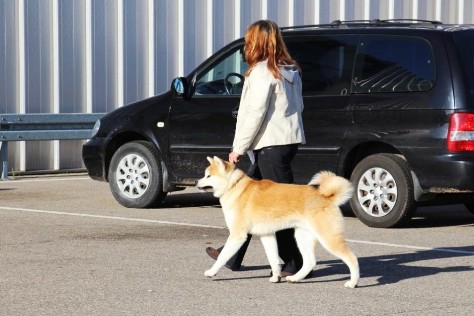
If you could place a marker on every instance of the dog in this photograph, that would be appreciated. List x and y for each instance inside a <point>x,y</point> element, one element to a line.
<point>264,207</point>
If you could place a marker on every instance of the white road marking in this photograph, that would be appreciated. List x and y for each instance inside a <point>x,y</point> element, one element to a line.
<point>143,220</point>
<point>44,180</point>
<point>131,219</point>
<point>410,247</point>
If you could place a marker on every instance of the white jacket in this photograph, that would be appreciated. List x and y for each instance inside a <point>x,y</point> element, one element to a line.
<point>270,110</point>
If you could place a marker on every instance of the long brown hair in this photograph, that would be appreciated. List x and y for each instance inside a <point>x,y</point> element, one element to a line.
<point>263,40</point>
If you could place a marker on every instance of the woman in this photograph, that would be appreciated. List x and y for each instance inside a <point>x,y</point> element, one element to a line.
<point>269,123</point>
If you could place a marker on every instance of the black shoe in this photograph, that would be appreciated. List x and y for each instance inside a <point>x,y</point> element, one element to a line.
<point>285,274</point>
<point>214,253</point>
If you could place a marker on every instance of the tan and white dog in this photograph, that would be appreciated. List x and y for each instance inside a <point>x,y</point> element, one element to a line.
<point>264,207</point>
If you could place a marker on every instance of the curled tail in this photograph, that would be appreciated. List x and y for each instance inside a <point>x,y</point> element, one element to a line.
<point>338,189</point>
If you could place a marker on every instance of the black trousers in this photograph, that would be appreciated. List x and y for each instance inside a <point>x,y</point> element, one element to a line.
<point>274,163</point>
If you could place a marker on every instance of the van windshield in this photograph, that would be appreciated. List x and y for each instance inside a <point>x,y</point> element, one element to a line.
<point>465,45</point>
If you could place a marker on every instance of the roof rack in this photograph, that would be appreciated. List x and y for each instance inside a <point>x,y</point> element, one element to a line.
<point>387,21</point>
<point>308,26</point>
<point>374,22</point>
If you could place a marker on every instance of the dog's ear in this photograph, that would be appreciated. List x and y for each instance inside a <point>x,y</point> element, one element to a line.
<point>210,160</point>
<point>231,165</point>
<point>219,162</point>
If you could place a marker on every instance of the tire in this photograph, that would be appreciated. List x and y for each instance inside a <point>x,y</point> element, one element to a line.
<point>384,189</point>
<point>135,175</point>
<point>346,210</point>
<point>470,207</point>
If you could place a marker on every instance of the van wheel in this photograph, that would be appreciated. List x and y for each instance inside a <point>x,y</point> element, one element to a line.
<point>470,207</point>
<point>383,191</point>
<point>135,175</point>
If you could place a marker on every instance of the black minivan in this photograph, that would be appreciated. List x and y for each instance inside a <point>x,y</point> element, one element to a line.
<point>388,104</point>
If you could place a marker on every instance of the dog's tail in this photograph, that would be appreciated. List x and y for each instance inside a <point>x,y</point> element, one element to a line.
<point>338,189</point>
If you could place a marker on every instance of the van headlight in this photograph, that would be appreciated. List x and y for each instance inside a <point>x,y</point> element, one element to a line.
<point>96,127</point>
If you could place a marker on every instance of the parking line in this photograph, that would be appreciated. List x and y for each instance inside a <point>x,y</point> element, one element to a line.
<point>410,247</point>
<point>143,220</point>
<point>219,227</point>
<point>45,180</point>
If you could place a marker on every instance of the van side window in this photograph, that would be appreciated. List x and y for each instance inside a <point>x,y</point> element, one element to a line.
<point>325,61</point>
<point>393,64</point>
<point>223,77</point>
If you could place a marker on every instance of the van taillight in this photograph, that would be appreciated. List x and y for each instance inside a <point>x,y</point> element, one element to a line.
<point>461,132</point>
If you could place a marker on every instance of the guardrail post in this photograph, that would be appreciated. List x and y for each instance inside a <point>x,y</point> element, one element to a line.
<point>4,160</point>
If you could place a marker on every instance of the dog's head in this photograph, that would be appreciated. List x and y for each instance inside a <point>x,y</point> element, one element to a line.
<point>216,176</point>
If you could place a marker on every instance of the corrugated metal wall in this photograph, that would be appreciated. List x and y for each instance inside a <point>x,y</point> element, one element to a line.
<point>92,56</point>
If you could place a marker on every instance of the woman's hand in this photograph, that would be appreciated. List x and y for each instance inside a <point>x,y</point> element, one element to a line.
<point>234,157</point>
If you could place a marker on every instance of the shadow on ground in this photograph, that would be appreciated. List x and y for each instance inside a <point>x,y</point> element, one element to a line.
<point>387,269</point>
<point>181,200</point>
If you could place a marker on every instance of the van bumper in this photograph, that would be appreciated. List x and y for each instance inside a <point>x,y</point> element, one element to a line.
<point>443,173</point>
<point>93,156</point>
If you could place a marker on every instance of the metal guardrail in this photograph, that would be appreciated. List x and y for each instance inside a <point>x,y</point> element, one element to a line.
<point>35,127</point>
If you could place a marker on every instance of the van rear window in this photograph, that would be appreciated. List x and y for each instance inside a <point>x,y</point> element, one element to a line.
<point>394,64</point>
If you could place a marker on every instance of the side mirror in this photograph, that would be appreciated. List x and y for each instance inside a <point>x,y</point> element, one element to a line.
<point>180,86</point>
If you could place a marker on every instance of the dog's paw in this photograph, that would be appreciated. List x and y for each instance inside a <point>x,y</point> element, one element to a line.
<point>275,279</point>
<point>209,273</point>
<point>350,284</point>
<point>292,279</point>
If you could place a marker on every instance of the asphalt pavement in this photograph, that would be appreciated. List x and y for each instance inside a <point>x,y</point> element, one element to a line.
<point>68,248</point>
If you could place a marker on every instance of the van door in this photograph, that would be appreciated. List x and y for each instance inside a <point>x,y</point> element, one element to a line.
<point>326,62</point>
<point>204,125</point>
